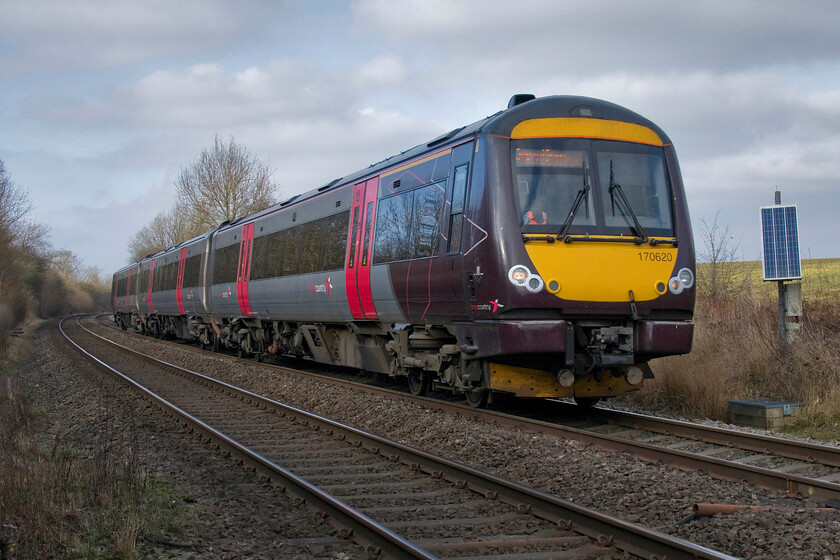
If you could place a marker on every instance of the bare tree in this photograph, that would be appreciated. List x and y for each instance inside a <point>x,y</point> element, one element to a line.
<point>721,252</point>
<point>14,206</point>
<point>225,182</point>
<point>22,244</point>
<point>165,230</point>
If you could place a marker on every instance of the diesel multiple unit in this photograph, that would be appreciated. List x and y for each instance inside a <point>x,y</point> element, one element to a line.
<point>545,251</point>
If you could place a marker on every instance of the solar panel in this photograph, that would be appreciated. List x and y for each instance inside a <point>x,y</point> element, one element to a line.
<point>780,241</point>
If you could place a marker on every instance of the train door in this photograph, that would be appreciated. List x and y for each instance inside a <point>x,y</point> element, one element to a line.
<point>244,269</point>
<point>149,287</point>
<point>179,286</point>
<point>449,289</point>
<point>357,269</point>
<point>133,297</point>
<point>128,286</point>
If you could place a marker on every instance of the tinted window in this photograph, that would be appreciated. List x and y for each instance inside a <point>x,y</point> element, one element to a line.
<point>456,213</point>
<point>192,271</point>
<point>310,246</point>
<point>291,239</point>
<point>393,228</point>
<point>225,264</point>
<point>315,246</point>
<point>428,203</point>
<point>407,224</point>
<point>335,241</point>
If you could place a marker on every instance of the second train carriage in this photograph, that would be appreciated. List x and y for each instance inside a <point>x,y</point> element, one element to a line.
<point>543,251</point>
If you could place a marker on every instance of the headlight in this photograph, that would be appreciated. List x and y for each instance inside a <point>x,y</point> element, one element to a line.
<point>686,277</point>
<point>520,275</point>
<point>675,285</point>
<point>683,280</point>
<point>535,284</point>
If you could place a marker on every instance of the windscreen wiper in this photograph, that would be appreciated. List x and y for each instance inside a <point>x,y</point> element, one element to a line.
<point>617,192</point>
<point>582,195</point>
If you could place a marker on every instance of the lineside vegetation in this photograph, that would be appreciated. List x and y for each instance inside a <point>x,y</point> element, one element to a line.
<point>736,353</point>
<point>68,492</point>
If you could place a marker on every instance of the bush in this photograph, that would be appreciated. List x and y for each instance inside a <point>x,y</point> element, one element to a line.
<point>736,355</point>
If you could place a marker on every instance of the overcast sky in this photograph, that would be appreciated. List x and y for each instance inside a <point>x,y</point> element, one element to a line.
<point>103,102</point>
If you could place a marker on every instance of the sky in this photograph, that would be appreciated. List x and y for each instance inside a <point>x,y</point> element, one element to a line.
<point>102,103</point>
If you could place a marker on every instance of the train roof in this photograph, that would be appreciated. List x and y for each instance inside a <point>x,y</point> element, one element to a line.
<point>189,241</point>
<point>521,107</point>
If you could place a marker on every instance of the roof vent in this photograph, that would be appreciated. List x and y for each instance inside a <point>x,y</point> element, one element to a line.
<point>444,137</point>
<point>288,201</point>
<point>584,111</point>
<point>520,98</point>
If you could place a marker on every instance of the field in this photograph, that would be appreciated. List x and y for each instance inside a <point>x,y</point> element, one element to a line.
<point>737,355</point>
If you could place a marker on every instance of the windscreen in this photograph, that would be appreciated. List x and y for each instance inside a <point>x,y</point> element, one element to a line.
<point>591,187</point>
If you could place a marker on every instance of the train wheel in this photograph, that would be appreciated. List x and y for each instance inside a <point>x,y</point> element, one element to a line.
<point>418,384</point>
<point>587,402</point>
<point>477,398</point>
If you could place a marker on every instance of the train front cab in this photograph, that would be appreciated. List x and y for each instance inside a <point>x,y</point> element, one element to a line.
<point>601,279</point>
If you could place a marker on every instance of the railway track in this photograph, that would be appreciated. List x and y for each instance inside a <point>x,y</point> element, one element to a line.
<point>806,469</point>
<point>797,468</point>
<point>399,501</point>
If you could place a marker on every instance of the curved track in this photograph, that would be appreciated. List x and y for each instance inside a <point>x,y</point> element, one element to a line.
<point>425,505</point>
<point>804,469</point>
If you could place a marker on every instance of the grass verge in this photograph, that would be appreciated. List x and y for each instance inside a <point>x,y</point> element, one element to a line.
<point>72,497</point>
<point>736,353</point>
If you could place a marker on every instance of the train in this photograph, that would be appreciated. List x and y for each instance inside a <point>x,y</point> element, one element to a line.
<point>543,251</point>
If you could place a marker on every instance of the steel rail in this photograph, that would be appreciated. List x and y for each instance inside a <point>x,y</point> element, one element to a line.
<point>789,483</point>
<point>760,443</point>
<point>357,525</point>
<point>609,530</point>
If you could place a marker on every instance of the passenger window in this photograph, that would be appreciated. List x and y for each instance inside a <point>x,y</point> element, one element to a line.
<point>456,213</point>
<point>393,228</point>
<point>335,241</point>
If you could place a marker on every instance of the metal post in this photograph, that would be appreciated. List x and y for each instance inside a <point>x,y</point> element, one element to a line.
<point>782,314</point>
<point>782,298</point>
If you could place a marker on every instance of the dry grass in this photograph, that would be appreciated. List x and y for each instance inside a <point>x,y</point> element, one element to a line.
<point>736,353</point>
<point>70,499</point>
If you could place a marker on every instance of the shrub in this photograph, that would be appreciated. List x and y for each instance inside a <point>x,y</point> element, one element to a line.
<point>736,355</point>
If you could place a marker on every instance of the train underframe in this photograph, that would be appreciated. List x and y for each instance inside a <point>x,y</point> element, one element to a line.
<point>601,363</point>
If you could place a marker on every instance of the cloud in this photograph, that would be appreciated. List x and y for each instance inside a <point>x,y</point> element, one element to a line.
<point>199,96</point>
<point>385,69</point>
<point>85,34</point>
<point>605,35</point>
<point>110,99</point>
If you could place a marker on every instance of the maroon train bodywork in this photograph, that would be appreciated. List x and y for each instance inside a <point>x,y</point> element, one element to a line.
<point>417,265</point>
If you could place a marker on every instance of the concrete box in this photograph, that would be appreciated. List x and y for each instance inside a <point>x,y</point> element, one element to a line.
<point>762,413</point>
